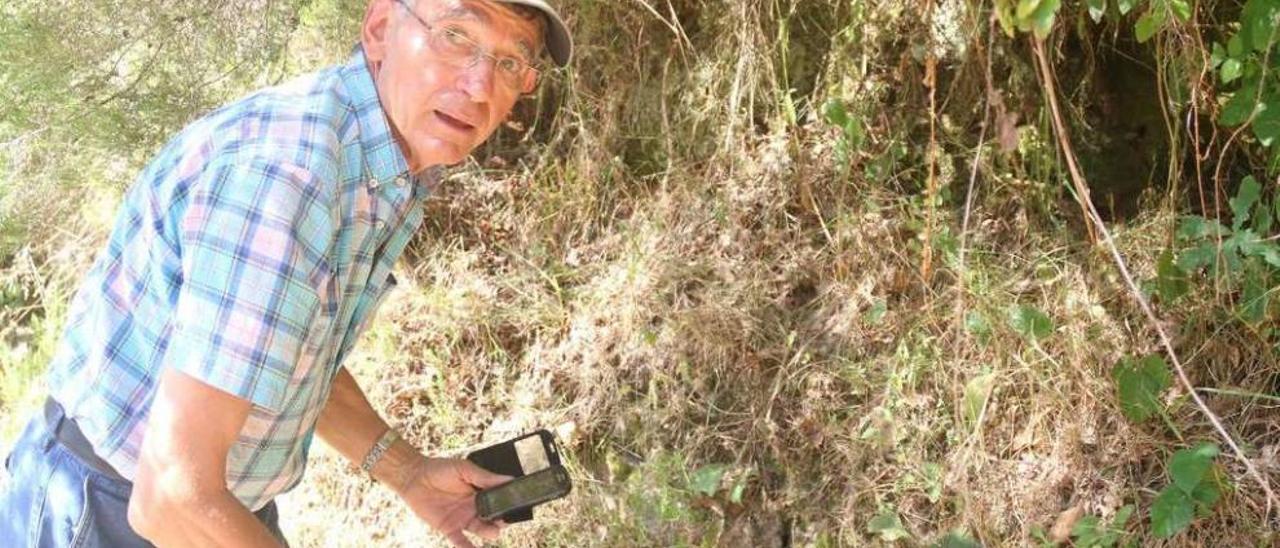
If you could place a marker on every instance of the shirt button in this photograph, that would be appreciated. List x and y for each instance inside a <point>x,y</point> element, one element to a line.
<point>373,183</point>
<point>400,181</point>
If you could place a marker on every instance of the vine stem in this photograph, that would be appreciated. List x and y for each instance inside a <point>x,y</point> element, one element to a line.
<point>1082,194</point>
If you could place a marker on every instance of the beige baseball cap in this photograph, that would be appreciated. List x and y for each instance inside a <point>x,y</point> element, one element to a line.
<point>559,43</point>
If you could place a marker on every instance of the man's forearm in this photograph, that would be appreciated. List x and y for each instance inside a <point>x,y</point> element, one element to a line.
<point>350,425</point>
<point>216,519</point>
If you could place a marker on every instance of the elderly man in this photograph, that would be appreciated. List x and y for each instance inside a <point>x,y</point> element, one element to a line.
<point>205,347</point>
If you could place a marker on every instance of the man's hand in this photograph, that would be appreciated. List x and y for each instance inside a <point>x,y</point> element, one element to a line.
<point>442,492</point>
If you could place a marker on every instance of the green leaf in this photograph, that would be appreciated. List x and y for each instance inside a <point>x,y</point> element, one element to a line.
<point>876,313</point>
<point>1231,69</point>
<point>1194,227</point>
<point>1088,531</point>
<point>835,113</point>
<point>1148,25</point>
<point>976,324</point>
<point>706,480</point>
<point>1122,517</point>
<point>931,475</point>
<point>1181,9</point>
<point>888,526</point>
<point>1025,9</point>
<point>738,490</point>
<point>1187,467</point>
<point>1257,22</point>
<point>1198,257</point>
<point>1126,6</point>
<point>1242,204</point>
<point>1004,13</point>
<point>1171,512</point>
<point>1206,494</point>
<point>1171,280</point>
<point>1217,55</point>
<point>1239,107</point>
<point>1254,297</point>
<point>1042,18</point>
<point>956,539</point>
<point>1266,127</point>
<point>1097,9</point>
<point>1030,322</point>
<point>976,392</point>
<point>1235,45</point>
<point>1139,385</point>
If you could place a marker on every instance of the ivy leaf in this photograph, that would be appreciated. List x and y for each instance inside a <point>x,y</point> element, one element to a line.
<point>1266,127</point>
<point>1257,21</point>
<point>1181,9</point>
<point>1138,386</point>
<point>1171,280</point>
<point>888,526</point>
<point>1097,9</point>
<point>1148,25</point>
<point>1242,204</point>
<point>706,480</point>
<point>1231,70</point>
<point>1217,55</point>
<point>1030,322</point>
<point>1171,512</point>
<point>1187,467</point>
<point>1235,45</point>
<point>1042,17</point>
<point>1239,107</point>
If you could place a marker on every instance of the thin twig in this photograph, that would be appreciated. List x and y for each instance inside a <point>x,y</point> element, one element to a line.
<point>1166,342</point>
<point>973,176</point>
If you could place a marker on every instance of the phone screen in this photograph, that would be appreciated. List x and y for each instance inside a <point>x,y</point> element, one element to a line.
<point>539,487</point>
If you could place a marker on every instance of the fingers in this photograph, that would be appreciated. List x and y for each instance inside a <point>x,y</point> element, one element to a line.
<point>479,477</point>
<point>486,530</point>
<point>459,540</point>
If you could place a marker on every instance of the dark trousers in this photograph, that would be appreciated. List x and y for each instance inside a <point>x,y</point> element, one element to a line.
<point>54,499</point>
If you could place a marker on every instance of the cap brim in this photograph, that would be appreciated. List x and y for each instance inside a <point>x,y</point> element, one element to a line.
<point>559,42</point>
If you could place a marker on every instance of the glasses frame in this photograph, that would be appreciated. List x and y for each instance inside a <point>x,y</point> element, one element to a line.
<point>529,77</point>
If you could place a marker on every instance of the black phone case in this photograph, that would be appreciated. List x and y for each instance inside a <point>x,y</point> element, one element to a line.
<point>502,459</point>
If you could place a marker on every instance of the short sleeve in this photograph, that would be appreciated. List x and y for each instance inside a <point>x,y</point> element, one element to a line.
<point>252,242</point>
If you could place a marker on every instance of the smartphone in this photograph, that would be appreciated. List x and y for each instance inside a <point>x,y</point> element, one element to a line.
<point>527,454</point>
<point>523,493</point>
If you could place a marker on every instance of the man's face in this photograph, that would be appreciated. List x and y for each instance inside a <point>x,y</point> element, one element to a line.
<point>441,106</point>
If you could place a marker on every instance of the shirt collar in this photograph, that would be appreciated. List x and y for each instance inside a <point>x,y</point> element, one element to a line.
<point>384,162</point>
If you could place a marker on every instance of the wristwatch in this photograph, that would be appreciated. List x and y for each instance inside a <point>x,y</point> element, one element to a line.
<point>379,448</point>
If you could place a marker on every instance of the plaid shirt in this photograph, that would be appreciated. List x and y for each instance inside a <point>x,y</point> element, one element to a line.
<point>250,254</point>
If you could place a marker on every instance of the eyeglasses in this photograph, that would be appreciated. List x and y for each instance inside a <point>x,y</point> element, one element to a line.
<point>454,46</point>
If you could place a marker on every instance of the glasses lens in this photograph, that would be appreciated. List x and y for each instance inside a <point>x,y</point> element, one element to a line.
<point>455,46</point>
